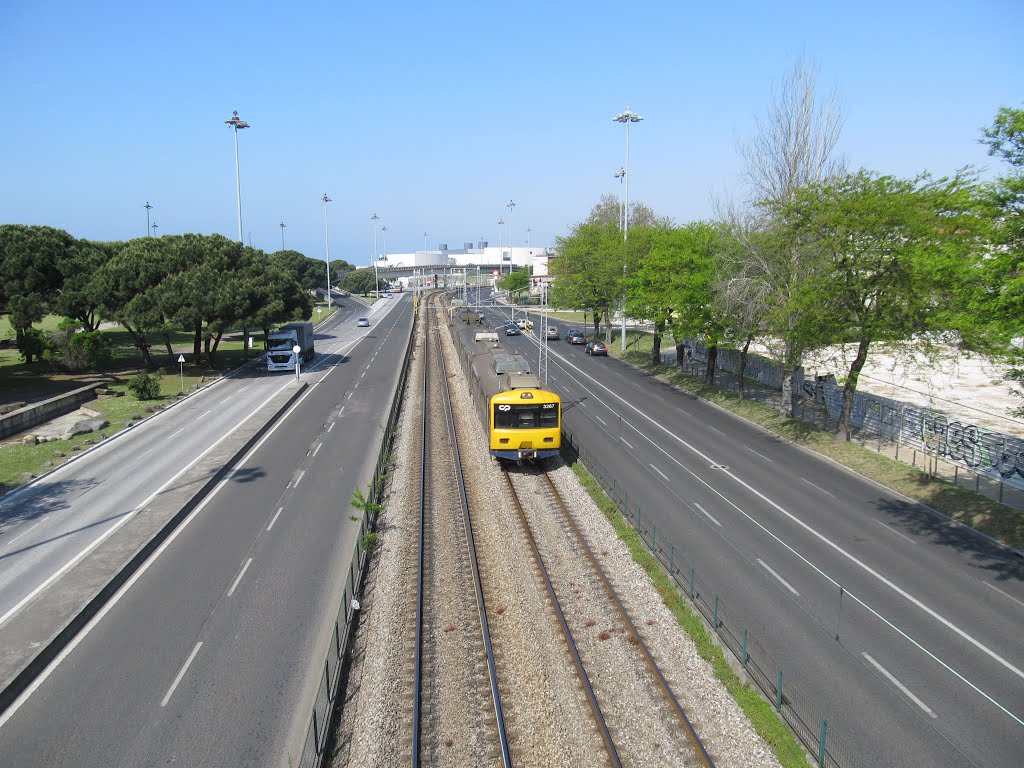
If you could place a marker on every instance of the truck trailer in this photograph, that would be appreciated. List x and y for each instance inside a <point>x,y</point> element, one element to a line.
<point>280,342</point>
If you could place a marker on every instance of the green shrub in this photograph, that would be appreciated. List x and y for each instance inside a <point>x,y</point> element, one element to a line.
<point>145,387</point>
<point>33,343</point>
<point>93,348</point>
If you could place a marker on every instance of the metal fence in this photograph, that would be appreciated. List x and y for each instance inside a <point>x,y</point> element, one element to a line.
<point>327,688</point>
<point>806,720</point>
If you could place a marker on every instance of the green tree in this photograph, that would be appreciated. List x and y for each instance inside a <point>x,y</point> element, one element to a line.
<point>30,276</point>
<point>361,281</point>
<point>890,258</point>
<point>999,306</point>
<point>516,282</point>
<point>588,271</point>
<point>82,291</point>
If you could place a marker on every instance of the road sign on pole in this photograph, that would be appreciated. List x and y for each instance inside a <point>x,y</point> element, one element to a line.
<point>181,372</point>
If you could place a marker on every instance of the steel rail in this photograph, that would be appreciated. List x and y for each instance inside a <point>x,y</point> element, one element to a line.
<point>691,733</point>
<point>595,707</point>
<point>418,669</point>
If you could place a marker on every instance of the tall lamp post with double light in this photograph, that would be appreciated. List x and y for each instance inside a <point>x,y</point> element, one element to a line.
<point>237,123</point>
<point>376,261</point>
<point>283,225</point>
<point>327,250</point>
<point>148,208</point>
<point>510,205</point>
<point>627,117</point>
<point>620,175</point>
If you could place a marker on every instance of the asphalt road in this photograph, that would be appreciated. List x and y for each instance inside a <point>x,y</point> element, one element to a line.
<point>210,653</point>
<point>919,663</point>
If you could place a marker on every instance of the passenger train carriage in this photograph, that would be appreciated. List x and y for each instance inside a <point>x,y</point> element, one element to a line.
<point>523,420</point>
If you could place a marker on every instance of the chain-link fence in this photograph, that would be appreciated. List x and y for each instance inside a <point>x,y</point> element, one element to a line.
<point>805,719</point>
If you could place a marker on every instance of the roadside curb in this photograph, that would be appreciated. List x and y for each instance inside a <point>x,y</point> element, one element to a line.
<point>49,624</point>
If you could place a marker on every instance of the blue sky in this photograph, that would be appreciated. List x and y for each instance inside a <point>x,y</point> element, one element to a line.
<point>435,115</point>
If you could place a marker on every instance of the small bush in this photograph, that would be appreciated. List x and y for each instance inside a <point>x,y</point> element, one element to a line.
<point>369,542</point>
<point>145,387</point>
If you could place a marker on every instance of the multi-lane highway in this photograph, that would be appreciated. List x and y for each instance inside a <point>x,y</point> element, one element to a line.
<point>918,663</point>
<point>206,656</point>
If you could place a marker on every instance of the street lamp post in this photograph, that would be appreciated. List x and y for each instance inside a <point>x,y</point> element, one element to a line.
<point>236,122</point>
<point>327,250</point>
<point>627,117</point>
<point>283,225</point>
<point>510,205</point>
<point>155,225</point>
<point>501,253</point>
<point>147,206</point>
<point>620,175</point>
<point>376,262</point>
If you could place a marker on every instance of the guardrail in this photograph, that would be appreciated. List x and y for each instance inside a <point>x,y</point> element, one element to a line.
<point>804,718</point>
<point>327,689</point>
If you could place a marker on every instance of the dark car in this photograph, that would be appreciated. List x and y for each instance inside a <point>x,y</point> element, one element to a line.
<point>596,348</point>
<point>575,337</point>
<point>511,330</point>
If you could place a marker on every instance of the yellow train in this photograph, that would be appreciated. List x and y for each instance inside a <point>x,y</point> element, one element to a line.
<point>525,420</point>
<point>522,418</point>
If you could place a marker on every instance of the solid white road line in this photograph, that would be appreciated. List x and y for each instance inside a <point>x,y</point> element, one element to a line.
<point>1004,594</point>
<point>818,487</point>
<point>238,578</point>
<point>893,530</point>
<point>770,461</point>
<point>125,518</point>
<point>666,477</point>
<point>707,514</point>
<point>782,581</point>
<point>181,673</point>
<point>274,518</point>
<point>903,689</point>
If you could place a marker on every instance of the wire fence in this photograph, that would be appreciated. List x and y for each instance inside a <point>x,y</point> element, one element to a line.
<point>804,717</point>
<point>320,721</point>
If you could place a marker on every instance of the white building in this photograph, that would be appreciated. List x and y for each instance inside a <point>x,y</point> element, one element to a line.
<point>480,257</point>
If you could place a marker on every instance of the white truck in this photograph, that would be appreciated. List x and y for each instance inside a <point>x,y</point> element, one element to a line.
<point>280,342</point>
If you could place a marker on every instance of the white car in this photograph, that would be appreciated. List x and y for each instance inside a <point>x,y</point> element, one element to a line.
<point>362,322</point>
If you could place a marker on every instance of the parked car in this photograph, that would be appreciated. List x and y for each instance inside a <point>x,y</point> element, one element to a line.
<point>552,334</point>
<point>511,330</point>
<point>575,337</point>
<point>362,322</point>
<point>596,348</point>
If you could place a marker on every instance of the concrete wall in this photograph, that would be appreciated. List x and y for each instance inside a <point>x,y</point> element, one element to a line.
<point>25,418</point>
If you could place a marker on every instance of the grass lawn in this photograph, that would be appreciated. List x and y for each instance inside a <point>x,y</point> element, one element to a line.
<point>30,383</point>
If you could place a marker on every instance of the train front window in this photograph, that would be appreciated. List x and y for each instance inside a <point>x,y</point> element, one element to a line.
<point>533,416</point>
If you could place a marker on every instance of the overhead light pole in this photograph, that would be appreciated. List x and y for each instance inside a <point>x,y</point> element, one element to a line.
<point>627,117</point>
<point>148,207</point>
<point>155,225</point>
<point>283,225</point>
<point>376,262</point>
<point>510,205</point>
<point>327,250</point>
<point>620,175</point>
<point>237,123</point>
<point>501,253</point>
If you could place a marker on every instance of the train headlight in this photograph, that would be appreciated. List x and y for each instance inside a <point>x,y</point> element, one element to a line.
<point>526,395</point>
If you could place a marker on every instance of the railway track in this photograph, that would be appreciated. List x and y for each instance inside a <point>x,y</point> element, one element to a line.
<point>551,519</point>
<point>457,717</point>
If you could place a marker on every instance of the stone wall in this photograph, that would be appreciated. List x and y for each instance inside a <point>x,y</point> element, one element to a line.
<point>25,418</point>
